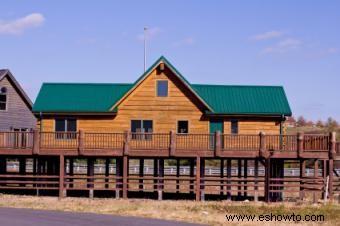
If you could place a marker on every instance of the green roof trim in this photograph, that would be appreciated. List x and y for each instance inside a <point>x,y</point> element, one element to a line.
<point>219,99</point>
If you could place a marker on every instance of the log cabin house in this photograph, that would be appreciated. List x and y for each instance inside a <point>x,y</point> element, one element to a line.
<point>162,117</point>
<point>161,100</point>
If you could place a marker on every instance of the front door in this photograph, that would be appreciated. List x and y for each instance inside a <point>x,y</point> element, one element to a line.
<point>214,125</point>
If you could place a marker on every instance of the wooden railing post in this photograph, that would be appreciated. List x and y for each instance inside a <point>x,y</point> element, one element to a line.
<point>172,143</point>
<point>332,153</point>
<point>36,142</point>
<point>127,138</point>
<point>300,141</point>
<point>263,150</point>
<point>218,144</point>
<point>81,143</point>
<point>198,178</point>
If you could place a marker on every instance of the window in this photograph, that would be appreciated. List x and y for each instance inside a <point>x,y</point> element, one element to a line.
<point>3,99</point>
<point>182,126</point>
<point>234,126</point>
<point>63,125</point>
<point>162,88</point>
<point>141,126</point>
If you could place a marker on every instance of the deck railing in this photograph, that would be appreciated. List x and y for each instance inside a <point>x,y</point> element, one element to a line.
<point>103,140</point>
<point>281,142</point>
<point>195,141</point>
<point>211,142</point>
<point>16,140</point>
<point>147,141</point>
<point>59,140</point>
<point>240,142</point>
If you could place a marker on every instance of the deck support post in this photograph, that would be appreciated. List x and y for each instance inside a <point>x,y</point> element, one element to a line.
<point>192,174</point>
<point>276,172</point>
<point>107,172</point>
<point>239,177</point>
<point>155,174</point>
<point>141,175</point>
<point>202,169</point>
<point>119,179</point>
<point>222,176</point>
<point>3,165</point>
<point>125,176</point>
<point>22,169</point>
<point>62,192</point>
<point>267,180</point>
<point>71,171</point>
<point>256,177</point>
<point>302,176</point>
<point>90,174</point>
<point>229,181</point>
<point>198,178</point>
<point>218,143</point>
<point>160,178</point>
<point>332,154</point>
<point>316,175</point>
<point>178,173</point>
<point>245,176</point>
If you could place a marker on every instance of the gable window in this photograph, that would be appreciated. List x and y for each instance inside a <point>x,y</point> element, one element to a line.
<point>182,126</point>
<point>3,99</point>
<point>162,88</point>
<point>141,126</point>
<point>234,126</point>
<point>65,128</point>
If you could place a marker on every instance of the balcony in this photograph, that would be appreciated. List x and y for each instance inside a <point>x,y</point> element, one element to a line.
<point>168,144</point>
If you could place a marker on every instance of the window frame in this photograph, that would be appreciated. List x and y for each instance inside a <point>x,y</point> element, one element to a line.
<point>65,134</point>
<point>162,80</point>
<point>141,135</point>
<point>177,126</point>
<point>6,96</point>
<point>232,122</point>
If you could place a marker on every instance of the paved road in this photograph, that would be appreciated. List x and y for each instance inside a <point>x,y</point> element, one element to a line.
<point>28,217</point>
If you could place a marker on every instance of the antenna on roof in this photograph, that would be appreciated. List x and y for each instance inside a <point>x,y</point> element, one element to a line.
<point>145,30</point>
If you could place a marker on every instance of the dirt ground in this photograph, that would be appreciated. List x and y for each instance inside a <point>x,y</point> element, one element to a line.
<point>209,212</point>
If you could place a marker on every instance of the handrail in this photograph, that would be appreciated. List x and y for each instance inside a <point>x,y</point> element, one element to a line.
<point>212,142</point>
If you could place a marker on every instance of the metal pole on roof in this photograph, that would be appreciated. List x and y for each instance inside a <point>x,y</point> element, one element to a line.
<point>145,30</point>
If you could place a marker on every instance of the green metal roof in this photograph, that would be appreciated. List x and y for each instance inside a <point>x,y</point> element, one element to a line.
<point>77,97</point>
<point>245,100</point>
<point>219,99</point>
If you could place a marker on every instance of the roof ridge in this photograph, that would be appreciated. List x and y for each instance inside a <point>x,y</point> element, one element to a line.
<point>276,86</point>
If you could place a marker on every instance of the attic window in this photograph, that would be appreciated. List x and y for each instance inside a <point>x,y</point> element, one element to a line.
<point>162,88</point>
<point>3,99</point>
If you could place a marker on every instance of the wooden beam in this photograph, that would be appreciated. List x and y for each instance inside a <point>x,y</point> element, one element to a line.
<point>245,176</point>
<point>239,176</point>
<point>300,141</point>
<point>229,177</point>
<point>90,173</point>
<point>125,176</point>
<point>202,174</point>
<point>36,142</point>
<point>302,175</point>
<point>71,171</point>
<point>161,178</point>
<point>178,173</point>
<point>222,176</point>
<point>198,178</point>
<point>267,181</point>
<point>81,142</point>
<point>119,179</point>
<point>141,175</point>
<point>316,174</point>
<point>107,172</point>
<point>61,176</point>
<point>192,174</point>
<point>256,177</point>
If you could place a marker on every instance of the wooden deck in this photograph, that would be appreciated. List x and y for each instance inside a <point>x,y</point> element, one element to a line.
<point>167,145</point>
<point>52,156</point>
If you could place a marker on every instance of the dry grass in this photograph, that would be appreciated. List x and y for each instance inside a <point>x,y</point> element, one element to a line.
<point>211,213</point>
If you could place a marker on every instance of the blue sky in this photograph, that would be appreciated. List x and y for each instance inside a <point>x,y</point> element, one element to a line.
<point>291,43</point>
